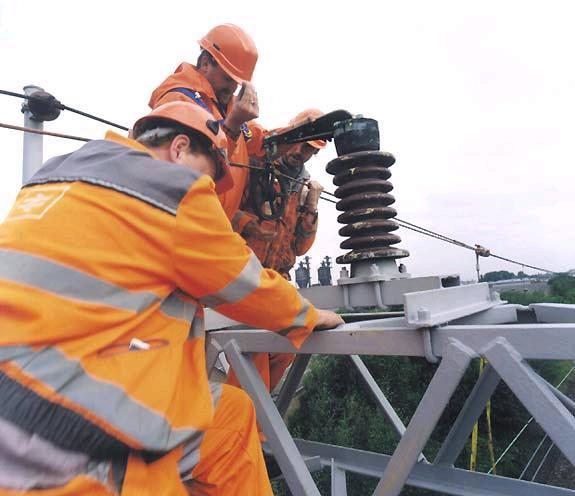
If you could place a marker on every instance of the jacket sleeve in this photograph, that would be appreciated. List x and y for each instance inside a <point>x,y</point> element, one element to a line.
<point>304,235</point>
<point>242,218</point>
<point>215,266</point>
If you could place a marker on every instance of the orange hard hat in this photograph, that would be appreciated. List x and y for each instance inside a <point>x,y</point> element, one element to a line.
<point>233,49</point>
<point>308,115</point>
<point>194,117</point>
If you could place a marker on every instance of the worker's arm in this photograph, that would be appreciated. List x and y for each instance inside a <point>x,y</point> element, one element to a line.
<point>306,226</point>
<point>305,234</point>
<point>244,108</point>
<point>214,265</point>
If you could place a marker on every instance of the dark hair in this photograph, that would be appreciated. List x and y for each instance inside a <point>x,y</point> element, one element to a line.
<point>205,55</point>
<point>199,143</point>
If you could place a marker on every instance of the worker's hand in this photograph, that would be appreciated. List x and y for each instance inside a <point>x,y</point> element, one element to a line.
<point>313,194</point>
<point>328,319</point>
<point>253,230</point>
<point>244,109</point>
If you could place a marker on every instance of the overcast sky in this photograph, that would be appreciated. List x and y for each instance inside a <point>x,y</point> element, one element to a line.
<point>476,100</point>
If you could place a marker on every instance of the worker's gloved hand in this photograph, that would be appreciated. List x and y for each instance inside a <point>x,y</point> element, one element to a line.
<point>253,230</point>
<point>328,319</point>
<point>244,109</point>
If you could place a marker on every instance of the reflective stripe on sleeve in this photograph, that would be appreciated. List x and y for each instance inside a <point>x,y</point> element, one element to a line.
<point>176,307</point>
<point>243,285</point>
<point>197,327</point>
<point>299,320</point>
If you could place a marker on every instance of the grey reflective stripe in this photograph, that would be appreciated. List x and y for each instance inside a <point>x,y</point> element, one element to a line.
<point>177,308</point>
<point>216,390</point>
<point>190,457</point>
<point>122,169</point>
<point>191,449</point>
<point>197,329</point>
<point>245,283</point>
<point>299,320</point>
<point>107,401</point>
<point>28,461</point>
<point>100,471</point>
<point>59,279</point>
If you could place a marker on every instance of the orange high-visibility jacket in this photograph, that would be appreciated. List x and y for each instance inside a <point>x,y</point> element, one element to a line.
<point>105,245</point>
<point>187,84</point>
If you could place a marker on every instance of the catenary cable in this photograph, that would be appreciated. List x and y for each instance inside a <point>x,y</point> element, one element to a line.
<point>44,133</point>
<point>403,223</point>
<point>61,106</point>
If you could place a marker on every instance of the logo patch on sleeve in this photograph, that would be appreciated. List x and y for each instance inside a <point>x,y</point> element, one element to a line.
<point>33,203</point>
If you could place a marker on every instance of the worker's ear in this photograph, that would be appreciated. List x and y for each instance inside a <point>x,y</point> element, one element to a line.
<point>179,147</point>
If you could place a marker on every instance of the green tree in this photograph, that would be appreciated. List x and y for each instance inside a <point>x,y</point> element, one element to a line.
<point>563,285</point>
<point>497,275</point>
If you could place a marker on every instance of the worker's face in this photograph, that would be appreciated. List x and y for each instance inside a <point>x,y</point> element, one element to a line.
<point>300,154</point>
<point>223,85</point>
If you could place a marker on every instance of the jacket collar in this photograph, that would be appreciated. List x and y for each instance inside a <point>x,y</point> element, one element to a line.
<point>186,76</point>
<point>130,143</point>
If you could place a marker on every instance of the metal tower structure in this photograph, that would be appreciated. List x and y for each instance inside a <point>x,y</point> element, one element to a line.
<point>448,324</point>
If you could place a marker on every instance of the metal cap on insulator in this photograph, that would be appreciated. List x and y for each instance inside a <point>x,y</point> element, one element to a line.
<point>361,172</point>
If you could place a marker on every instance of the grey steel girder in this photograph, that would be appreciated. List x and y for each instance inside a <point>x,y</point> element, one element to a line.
<point>532,341</point>
<point>441,478</point>
<point>506,347</point>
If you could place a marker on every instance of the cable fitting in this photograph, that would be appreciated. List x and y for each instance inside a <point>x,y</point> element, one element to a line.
<point>43,106</point>
<point>481,251</point>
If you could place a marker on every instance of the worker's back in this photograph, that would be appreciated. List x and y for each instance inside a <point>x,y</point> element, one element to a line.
<point>86,267</point>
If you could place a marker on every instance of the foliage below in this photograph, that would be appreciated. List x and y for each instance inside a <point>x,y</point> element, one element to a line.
<point>497,275</point>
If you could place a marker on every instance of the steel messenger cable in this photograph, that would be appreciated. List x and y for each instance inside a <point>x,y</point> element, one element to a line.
<point>478,249</point>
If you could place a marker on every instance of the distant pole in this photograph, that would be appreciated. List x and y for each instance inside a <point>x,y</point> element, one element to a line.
<point>33,152</point>
<point>477,265</point>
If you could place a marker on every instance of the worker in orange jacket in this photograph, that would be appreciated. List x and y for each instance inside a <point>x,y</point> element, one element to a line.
<point>278,242</point>
<point>227,60</point>
<point>106,261</point>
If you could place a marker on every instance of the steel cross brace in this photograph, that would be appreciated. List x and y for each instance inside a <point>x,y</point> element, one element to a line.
<point>278,437</point>
<point>283,446</point>
<point>541,401</point>
<point>469,414</point>
<point>442,386</point>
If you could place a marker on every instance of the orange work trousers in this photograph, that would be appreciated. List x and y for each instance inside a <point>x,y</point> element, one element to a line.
<point>229,462</point>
